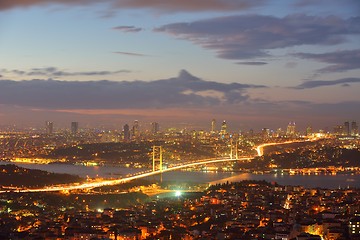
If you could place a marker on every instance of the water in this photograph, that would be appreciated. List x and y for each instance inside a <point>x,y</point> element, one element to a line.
<point>322,181</point>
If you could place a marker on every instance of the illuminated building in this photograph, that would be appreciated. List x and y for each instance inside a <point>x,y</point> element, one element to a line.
<point>155,127</point>
<point>74,127</point>
<point>126,131</point>
<point>339,130</point>
<point>279,132</point>
<point>309,131</point>
<point>354,226</point>
<point>136,129</point>
<point>290,130</point>
<point>49,127</point>
<point>354,129</point>
<point>347,128</point>
<point>223,127</point>
<point>266,132</point>
<point>213,126</point>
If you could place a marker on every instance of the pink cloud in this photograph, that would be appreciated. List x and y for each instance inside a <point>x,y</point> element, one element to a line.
<point>160,5</point>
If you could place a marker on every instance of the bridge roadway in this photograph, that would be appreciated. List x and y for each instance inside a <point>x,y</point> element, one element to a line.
<point>260,148</point>
<point>101,183</point>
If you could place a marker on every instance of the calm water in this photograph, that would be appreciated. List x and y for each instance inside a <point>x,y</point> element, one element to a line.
<point>323,181</point>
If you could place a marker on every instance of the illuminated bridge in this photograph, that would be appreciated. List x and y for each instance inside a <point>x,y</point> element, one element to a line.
<point>78,186</point>
<point>157,157</point>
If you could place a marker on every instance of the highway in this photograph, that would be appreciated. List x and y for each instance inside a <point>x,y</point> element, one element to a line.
<point>260,148</point>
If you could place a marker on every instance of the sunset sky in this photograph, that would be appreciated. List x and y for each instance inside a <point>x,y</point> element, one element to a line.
<point>254,63</point>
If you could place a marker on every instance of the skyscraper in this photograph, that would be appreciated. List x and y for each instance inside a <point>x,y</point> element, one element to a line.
<point>223,127</point>
<point>291,129</point>
<point>126,131</point>
<point>136,129</point>
<point>354,129</point>
<point>155,127</point>
<point>347,128</point>
<point>265,132</point>
<point>49,127</point>
<point>213,126</point>
<point>74,127</point>
<point>309,131</point>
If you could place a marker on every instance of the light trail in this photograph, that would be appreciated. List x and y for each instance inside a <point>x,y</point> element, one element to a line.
<point>260,148</point>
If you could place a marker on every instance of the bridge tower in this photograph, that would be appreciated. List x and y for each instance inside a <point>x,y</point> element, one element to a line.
<point>234,150</point>
<point>157,157</point>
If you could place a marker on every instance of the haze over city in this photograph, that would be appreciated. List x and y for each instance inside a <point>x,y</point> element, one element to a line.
<point>254,63</point>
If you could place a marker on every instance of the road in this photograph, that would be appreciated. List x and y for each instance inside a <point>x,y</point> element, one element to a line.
<point>260,148</point>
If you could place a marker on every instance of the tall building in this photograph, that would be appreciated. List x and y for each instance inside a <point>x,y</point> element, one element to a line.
<point>339,130</point>
<point>347,128</point>
<point>49,127</point>
<point>136,129</point>
<point>266,132</point>
<point>223,127</point>
<point>155,128</point>
<point>291,129</point>
<point>309,131</point>
<point>279,133</point>
<point>213,126</point>
<point>354,129</point>
<point>74,127</point>
<point>126,131</point>
<point>354,226</point>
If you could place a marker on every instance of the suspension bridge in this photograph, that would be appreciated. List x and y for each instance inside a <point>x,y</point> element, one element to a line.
<point>157,159</point>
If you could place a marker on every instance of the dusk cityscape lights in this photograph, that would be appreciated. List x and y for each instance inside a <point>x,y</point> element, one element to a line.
<point>190,119</point>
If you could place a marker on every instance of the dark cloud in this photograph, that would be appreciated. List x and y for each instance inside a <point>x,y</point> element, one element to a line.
<point>322,83</point>
<point>291,65</point>
<point>355,4</point>
<point>252,36</point>
<point>128,29</point>
<point>341,60</point>
<point>252,63</point>
<point>158,5</point>
<point>54,72</point>
<point>182,91</point>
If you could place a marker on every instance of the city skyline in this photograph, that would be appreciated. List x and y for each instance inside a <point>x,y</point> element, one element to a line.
<point>254,64</point>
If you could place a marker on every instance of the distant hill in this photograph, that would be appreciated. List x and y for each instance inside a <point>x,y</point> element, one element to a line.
<point>12,175</point>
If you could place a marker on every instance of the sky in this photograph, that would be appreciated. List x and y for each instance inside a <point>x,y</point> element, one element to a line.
<point>254,63</point>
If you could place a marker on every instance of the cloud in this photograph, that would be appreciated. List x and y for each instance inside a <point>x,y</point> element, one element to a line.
<point>341,60</point>
<point>290,65</point>
<point>321,3</point>
<point>158,5</point>
<point>54,72</point>
<point>132,54</point>
<point>253,36</point>
<point>128,29</point>
<point>322,83</point>
<point>166,93</point>
<point>252,63</point>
